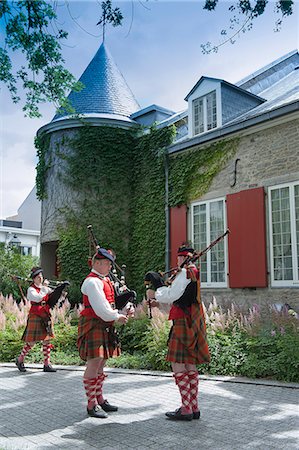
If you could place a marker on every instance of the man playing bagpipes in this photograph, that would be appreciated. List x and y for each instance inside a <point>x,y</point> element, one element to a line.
<point>187,344</point>
<point>39,323</point>
<point>97,338</point>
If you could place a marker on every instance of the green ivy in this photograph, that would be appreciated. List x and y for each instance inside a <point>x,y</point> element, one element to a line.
<point>42,143</point>
<point>191,173</point>
<point>148,218</point>
<point>119,178</point>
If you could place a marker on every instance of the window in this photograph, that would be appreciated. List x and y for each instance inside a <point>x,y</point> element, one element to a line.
<point>284,234</point>
<point>26,251</point>
<point>204,113</point>
<point>208,223</point>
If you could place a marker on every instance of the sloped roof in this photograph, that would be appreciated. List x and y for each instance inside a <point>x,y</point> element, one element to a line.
<point>277,83</point>
<point>264,78</point>
<point>105,90</point>
<point>219,80</point>
<point>280,84</point>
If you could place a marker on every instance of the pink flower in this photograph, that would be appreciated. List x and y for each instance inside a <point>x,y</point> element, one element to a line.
<point>273,333</point>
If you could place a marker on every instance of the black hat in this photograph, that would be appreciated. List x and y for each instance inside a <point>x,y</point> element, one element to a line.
<point>185,250</point>
<point>102,253</point>
<point>35,271</point>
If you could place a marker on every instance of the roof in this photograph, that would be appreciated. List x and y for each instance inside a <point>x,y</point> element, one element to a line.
<point>219,80</point>
<point>105,89</point>
<point>277,83</point>
<point>151,108</point>
<point>265,77</point>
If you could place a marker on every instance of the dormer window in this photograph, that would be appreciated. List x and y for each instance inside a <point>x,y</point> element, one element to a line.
<point>204,113</point>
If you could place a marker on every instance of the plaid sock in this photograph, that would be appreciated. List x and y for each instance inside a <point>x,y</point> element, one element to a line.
<point>24,352</point>
<point>46,351</point>
<point>193,380</point>
<point>182,381</point>
<point>90,390</point>
<point>99,388</point>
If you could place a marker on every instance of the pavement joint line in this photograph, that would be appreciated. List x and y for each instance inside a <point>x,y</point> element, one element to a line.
<point>213,378</point>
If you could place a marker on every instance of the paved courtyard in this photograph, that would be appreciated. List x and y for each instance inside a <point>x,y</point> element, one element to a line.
<point>43,410</point>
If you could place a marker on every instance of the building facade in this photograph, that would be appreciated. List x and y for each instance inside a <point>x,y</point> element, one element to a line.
<point>255,195</point>
<point>23,229</point>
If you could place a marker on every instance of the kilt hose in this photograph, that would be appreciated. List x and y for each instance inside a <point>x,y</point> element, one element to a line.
<point>96,339</point>
<point>187,342</point>
<point>38,328</point>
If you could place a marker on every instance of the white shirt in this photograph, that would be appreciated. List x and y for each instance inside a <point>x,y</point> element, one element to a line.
<point>93,287</point>
<point>169,294</point>
<point>35,296</point>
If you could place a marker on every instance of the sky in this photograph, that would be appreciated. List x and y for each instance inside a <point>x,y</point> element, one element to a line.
<point>158,50</point>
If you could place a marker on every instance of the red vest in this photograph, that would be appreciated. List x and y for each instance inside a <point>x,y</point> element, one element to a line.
<point>37,308</point>
<point>175,311</point>
<point>108,291</point>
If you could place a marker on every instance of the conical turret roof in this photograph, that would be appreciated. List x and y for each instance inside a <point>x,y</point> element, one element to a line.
<point>105,90</point>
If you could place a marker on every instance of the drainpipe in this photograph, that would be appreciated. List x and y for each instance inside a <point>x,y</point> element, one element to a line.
<point>167,215</point>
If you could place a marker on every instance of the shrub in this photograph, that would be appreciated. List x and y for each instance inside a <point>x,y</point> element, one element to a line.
<point>13,263</point>
<point>256,343</point>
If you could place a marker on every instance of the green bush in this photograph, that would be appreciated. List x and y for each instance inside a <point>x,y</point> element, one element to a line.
<point>133,335</point>
<point>273,356</point>
<point>11,344</point>
<point>252,345</point>
<point>227,351</point>
<point>13,263</point>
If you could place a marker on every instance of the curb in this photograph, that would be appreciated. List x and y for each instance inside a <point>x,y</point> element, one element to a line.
<point>213,378</point>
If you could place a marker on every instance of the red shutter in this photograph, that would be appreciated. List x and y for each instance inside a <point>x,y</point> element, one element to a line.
<point>247,239</point>
<point>178,231</point>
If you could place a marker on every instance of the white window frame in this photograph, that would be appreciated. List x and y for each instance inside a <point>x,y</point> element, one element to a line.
<point>203,98</point>
<point>295,281</point>
<point>209,283</point>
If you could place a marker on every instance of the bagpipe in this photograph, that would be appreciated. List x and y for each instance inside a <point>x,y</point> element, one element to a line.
<point>123,295</point>
<point>155,280</point>
<point>58,289</point>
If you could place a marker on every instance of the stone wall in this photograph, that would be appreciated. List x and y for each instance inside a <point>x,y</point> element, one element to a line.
<point>265,158</point>
<point>58,195</point>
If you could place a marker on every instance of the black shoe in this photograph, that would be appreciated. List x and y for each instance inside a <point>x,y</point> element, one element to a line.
<point>49,368</point>
<point>107,407</point>
<point>177,415</point>
<point>196,415</point>
<point>96,411</point>
<point>20,365</point>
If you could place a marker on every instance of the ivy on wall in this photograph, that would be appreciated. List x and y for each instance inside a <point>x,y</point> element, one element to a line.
<point>118,180</point>
<point>191,173</point>
<point>41,143</point>
<point>99,171</point>
<point>148,218</point>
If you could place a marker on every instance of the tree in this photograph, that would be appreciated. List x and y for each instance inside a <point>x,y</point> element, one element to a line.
<point>31,29</point>
<point>250,10</point>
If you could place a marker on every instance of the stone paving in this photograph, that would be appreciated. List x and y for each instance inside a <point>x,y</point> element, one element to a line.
<point>48,410</point>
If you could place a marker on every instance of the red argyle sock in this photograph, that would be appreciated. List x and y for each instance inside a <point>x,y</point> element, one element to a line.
<point>24,352</point>
<point>193,380</point>
<point>182,381</point>
<point>99,388</point>
<point>46,351</point>
<point>90,390</point>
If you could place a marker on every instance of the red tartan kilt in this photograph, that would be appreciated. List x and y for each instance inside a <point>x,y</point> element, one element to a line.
<point>188,344</point>
<point>93,339</point>
<point>36,329</point>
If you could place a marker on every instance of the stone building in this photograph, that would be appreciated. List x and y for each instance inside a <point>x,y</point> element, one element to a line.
<point>256,194</point>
